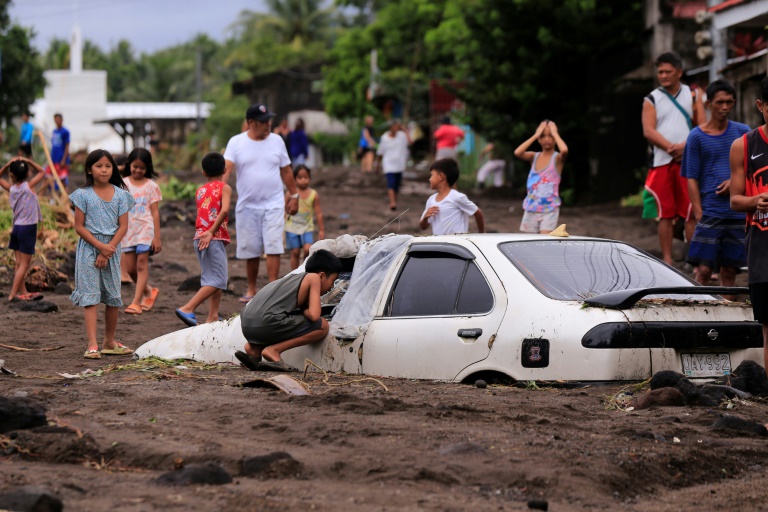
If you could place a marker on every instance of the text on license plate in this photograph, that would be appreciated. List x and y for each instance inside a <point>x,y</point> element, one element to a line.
<point>706,365</point>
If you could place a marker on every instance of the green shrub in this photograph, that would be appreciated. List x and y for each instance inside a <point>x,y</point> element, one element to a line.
<point>174,188</point>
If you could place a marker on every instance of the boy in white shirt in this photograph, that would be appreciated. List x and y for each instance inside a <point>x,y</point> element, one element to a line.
<point>448,211</point>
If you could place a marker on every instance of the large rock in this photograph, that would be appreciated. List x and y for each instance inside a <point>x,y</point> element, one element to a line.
<point>662,397</point>
<point>30,499</point>
<point>755,379</point>
<point>207,473</point>
<point>18,413</point>
<point>190,284</point>
<point>732,422</point>
<point>35,306</point>
<point>271,465</point>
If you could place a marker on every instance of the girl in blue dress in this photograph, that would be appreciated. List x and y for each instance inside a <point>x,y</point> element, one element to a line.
<point>101,221</point>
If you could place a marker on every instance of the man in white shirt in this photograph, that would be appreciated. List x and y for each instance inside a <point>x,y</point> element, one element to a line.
<point>448,211</point>
<point>393,151</point>
<point>261,162</point>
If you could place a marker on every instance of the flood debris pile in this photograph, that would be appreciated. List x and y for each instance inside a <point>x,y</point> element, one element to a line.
<point>668,388</point>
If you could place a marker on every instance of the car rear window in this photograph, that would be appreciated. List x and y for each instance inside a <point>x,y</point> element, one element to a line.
<point>580,269</point>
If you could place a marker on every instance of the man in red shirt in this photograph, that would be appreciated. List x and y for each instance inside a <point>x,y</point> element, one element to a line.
<point>447,137</point>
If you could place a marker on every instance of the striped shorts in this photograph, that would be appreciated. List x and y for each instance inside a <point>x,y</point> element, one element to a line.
<point>718,243</point>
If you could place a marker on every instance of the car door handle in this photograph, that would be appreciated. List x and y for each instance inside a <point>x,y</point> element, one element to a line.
<point>470,333</point>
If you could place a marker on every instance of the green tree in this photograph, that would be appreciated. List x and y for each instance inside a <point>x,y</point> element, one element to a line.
<point>22,74</point>
<point>523,61</point>
<point>404,60</point>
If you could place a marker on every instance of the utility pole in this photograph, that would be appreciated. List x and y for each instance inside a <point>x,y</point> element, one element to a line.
<point>719,46</point>
<point>199,87</point>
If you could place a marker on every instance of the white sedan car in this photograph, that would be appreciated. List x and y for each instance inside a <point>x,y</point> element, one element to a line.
<point>528,307</point>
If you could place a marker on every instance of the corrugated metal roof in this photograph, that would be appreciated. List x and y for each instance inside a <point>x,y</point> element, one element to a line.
<point>727,4</point>
<point>157,110</point>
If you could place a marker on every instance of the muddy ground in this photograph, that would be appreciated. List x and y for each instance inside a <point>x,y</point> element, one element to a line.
<point>355,445</point>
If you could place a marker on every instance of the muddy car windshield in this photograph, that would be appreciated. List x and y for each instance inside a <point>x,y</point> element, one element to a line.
<point>579,269</point>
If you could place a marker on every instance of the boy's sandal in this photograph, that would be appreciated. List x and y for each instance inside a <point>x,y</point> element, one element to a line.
<point>249,362</point>
<point>133,310</point>
<point>92,354</point>
<point>188,318</point>
<point>148,302</point>
<point>274,366</point>
<point>245,299</point>
<point>118,350</point>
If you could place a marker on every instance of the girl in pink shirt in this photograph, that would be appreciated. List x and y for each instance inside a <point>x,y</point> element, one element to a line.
<point>143,237</point>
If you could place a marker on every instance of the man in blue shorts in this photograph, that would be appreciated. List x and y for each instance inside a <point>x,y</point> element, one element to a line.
<point>718,240</point>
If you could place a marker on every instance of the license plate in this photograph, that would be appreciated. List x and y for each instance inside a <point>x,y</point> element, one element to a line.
<point>706,365</point>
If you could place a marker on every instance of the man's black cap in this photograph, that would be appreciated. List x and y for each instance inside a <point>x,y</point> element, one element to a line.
<point>259,112</point>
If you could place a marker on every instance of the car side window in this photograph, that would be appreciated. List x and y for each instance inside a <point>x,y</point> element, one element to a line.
<point>475,296</point>
<point>439,284</point>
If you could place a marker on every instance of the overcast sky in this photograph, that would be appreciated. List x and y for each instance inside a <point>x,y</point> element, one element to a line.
<point>148,24</point>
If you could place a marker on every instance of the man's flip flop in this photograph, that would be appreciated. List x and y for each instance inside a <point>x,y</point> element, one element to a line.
<point>188,318</point>
<point>118,350</point>
<point>245,299</point>
<point>148,302</point>
<point>274,366</point>
<point>249,362</point>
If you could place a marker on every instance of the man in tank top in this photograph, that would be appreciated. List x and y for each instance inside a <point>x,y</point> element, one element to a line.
<point>669,114</point>
<point>749,194</point>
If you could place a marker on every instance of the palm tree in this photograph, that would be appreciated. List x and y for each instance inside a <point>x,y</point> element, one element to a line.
<point>294,22</point>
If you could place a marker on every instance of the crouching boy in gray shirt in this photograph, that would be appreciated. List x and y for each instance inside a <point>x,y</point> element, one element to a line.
<point>285,314</point>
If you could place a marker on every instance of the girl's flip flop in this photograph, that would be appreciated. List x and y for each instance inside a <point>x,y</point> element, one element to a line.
<point>92,354</point>
<point>133,310</point>
<point>118,350</point>
<point>148,302</point>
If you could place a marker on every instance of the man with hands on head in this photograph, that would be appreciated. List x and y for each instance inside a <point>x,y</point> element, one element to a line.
<point>262,165</point>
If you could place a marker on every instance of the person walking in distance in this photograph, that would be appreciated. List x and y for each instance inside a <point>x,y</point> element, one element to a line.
<point>669,114</point>
<point>393,150</point>
<point>60,151</point>
<point>260,160</point>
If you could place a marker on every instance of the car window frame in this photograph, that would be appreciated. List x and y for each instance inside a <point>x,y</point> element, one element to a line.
<point>451,253</point>
<point>542,292</point>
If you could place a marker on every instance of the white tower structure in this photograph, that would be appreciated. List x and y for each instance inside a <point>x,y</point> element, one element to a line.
<point>76,51</point>
<point>81,98</point>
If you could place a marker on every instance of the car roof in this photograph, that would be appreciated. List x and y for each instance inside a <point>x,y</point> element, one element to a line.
<point>498,238</point>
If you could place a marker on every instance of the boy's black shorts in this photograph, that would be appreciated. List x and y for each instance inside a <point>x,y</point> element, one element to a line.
<point>305,328</point>
<point>758,295</point>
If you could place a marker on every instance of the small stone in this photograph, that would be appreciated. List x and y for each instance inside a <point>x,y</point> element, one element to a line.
<point>35,306</point>
<point>30,499</point>
<point>538,505</point>
<point>480,383</point>
<point>62,289</point>
<point>19,413</point>
<point>207,473</point>
<point>190,284</point>
<point>175,267</point>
